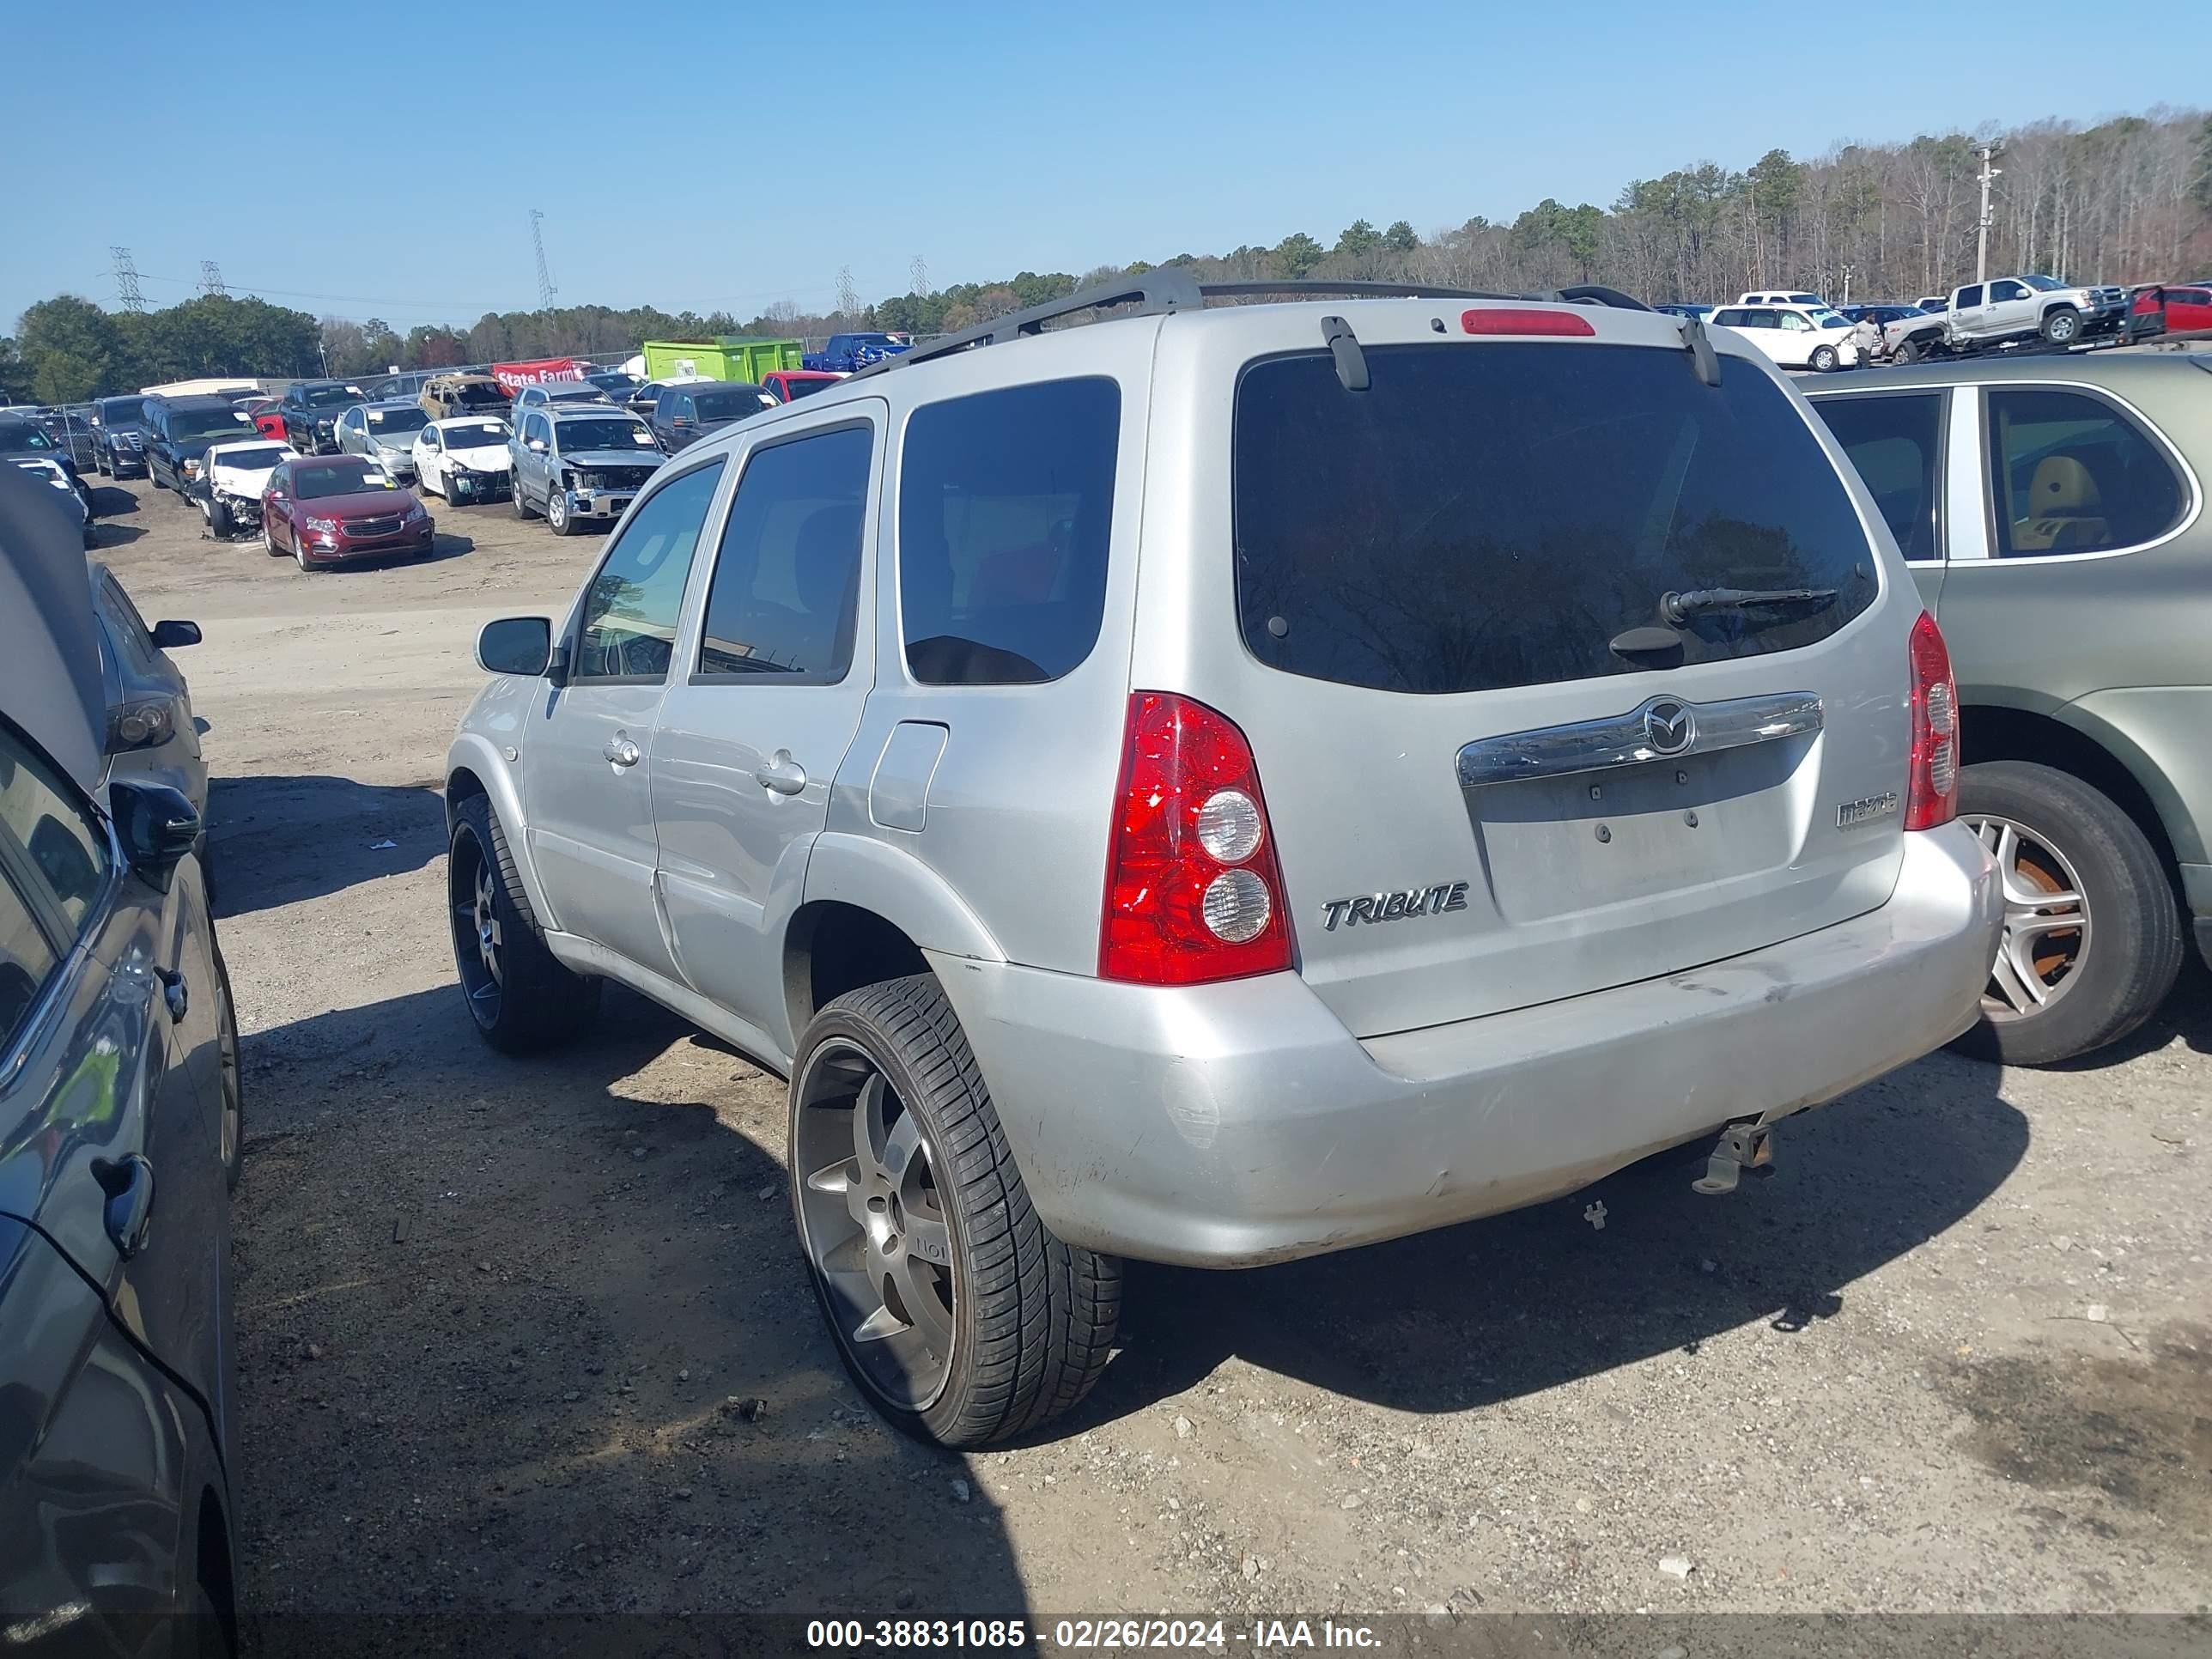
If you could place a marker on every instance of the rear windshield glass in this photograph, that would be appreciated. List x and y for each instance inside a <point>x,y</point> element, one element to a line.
<point>796,388</point>
<point>396,421</point>
<point>330,397</point>
<point>1493,515</point>
<point>1006,512</point>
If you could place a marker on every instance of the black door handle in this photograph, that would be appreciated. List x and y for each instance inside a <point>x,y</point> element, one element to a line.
<point>174,991</point>
<point>129,1212</point>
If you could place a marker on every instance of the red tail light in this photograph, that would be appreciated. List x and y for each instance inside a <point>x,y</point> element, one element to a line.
<point>1510,319</point>
<point>1932,795</point>
<point>1192,890</point>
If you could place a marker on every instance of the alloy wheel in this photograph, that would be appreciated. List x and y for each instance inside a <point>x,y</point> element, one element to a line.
<point>873,1225</point>
<point>478,940</point>
<point>2046,934</point>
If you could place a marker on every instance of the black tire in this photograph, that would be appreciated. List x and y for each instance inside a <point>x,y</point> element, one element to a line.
<point>533,1002</point>
<point>1823,359</point>
<point>2130,951</point>
<point>220,523</point>
<point>233,1075</point>
<point>1909,351</point>
<point>560,519</point>
<point>2061,325</point>
<point>1032,1318</point>
<point>515,498</point>
<point>152,479</point>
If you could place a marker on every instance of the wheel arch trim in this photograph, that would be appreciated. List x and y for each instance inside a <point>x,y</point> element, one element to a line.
<point>871,875</point>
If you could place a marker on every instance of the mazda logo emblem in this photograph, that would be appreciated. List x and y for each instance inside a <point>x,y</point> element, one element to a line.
<point>1669,727</point>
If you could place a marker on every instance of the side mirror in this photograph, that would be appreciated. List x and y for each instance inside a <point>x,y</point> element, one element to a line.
<point>157,825</point>
<point>537,445</point>
<point>516,644</point>
<point>168,636</point>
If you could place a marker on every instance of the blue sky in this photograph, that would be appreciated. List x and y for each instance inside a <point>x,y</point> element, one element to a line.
<point>379,160</point>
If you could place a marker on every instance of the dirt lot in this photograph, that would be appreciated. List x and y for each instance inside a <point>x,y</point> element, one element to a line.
<point>497,1317</point>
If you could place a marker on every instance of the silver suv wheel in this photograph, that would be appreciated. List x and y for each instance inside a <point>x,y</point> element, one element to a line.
<point>2046,941</point>
<point>872,1226</point>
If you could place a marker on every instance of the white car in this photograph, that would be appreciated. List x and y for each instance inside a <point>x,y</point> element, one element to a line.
<point>1811,301</point>
<point>233,477</point>
<point>1795,337</point>
<point>68,498</point>
<point>464,459</point>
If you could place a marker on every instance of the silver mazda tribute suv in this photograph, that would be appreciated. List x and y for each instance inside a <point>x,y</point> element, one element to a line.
<point>1228,783</point>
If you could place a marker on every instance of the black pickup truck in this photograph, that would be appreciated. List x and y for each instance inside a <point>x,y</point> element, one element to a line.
<point>310,412</point>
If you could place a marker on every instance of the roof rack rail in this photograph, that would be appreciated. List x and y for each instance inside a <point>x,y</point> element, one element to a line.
<point>1166,289</point>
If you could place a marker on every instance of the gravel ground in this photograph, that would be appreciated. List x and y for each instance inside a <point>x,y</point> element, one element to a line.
<point>504,1325</point>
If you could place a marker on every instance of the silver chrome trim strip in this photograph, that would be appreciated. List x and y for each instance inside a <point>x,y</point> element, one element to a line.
<point>1553,751</point>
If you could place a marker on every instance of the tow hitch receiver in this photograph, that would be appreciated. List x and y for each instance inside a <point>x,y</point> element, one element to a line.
<point>1742,1146</point>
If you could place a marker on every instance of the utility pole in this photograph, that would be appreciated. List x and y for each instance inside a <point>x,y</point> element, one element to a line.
<point>1848,271</point>
<point>211,279</point>
<point>1988,153</point>
<point>126,280</point>
<point>545,288</point>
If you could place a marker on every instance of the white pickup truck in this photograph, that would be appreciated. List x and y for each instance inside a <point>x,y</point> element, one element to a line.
<point>2004,311</point>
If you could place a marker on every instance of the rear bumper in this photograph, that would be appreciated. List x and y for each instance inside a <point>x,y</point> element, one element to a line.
<point>1239,1123</point>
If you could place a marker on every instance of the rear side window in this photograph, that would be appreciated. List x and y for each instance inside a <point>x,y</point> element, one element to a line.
<point>1005,512</point>
<point>787,579</point>
<point>1493,515</point>
<point>1969,297</point>
<point>2072,474</point>
<point>628,626</point>
<point>1896,442</point>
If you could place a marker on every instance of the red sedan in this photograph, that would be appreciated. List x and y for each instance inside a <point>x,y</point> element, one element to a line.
<point>327,509</point>
<point>788,385</point>
<point>2188,310</point>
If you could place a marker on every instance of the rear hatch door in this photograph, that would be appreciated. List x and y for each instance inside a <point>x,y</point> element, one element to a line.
<point>1479,803</point>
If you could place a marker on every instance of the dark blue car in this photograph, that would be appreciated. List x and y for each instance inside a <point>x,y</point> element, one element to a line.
<point>119,1140</point>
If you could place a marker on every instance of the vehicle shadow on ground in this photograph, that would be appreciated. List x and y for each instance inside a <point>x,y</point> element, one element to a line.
<point>281,839</point>
<point>1498,1308</point>
<point>503,1324</point>
<point>110,500</point>
<point>107,533</point>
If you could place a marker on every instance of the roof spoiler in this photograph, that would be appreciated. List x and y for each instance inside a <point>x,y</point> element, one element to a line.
<point>1167,289</point>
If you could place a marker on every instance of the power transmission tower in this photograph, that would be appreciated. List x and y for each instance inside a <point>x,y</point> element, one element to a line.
<point>126,280</point>
<point>1988,153</point>
<point>920,269</point>
<point>848,297</point>
<point>545,288</point>
<point>211,279</point>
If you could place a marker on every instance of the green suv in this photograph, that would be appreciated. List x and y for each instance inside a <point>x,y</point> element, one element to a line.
<point>2052,510</point>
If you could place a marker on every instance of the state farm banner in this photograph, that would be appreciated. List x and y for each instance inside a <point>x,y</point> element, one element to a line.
<point>516,376</point>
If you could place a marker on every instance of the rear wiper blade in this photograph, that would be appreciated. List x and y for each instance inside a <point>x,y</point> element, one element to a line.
<point>1679,608</point>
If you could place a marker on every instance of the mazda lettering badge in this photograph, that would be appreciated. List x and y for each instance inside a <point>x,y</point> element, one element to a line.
<point>1669,727</point>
